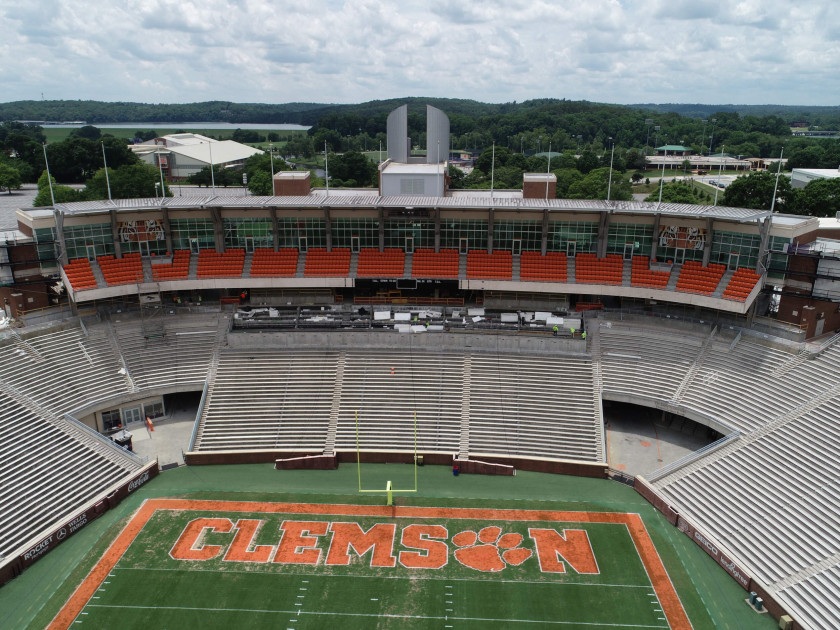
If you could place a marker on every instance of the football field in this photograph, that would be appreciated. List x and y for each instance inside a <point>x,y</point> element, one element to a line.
<point>222,564</point>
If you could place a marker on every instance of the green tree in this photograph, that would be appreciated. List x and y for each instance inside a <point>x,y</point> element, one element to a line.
<point>127,182</point>
<point>63,194</point>
<point>595,184</point>
<point>456,177</point>
<point>565,178</point>
<point>820,198</point>
<point>755,191</point>
<point>9,178</point>
<point>587,162</point>
<point>636,160</point>
<point>260,183</point>
<point>675,192</point>
<point>88,131</point>
<point>353,165</point>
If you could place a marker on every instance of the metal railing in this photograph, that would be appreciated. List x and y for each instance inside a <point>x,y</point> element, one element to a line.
<point>107,442</point>
<point>692,457</point>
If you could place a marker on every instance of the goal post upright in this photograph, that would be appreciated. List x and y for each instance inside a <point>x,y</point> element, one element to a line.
<point>389,489</point>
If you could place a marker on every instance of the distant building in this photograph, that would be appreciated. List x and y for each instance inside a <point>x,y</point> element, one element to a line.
<point>422,175</point>
<point>673,149</point>
<point>801,177</point>
<point>183,154</point>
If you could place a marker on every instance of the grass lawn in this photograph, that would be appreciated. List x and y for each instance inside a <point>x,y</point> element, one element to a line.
<point>156,583</point>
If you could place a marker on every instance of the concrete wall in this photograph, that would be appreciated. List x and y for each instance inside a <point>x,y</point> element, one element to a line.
<point>524,343</point>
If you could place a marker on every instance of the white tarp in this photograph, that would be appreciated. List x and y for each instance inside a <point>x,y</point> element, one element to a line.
<point>418,329</point>
<point>542,316</point>
<point>380,315</point>
<point>402,317</point>
<point>510,317</point>
<point>475,311</point>
<point>554,321</point>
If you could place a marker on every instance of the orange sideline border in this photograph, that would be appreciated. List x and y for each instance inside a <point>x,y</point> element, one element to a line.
<point>671,604</point>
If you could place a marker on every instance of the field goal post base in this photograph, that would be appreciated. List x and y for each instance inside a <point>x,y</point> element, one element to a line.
<point>389,489</point>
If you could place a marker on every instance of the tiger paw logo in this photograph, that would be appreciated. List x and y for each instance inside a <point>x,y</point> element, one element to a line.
<point>495,552</point>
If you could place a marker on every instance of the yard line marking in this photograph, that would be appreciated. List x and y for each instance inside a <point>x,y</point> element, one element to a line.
<point>302,589</point>
<point>379,615</point>
<point>301,596</point>
<point>374,599</point>
<point>391,577</point>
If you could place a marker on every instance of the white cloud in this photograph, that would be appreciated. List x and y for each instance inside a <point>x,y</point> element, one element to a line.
<point>740,51</point>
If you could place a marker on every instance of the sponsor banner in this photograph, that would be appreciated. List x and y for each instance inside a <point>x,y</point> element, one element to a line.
<point>711,548</point>
<point>57,537</point>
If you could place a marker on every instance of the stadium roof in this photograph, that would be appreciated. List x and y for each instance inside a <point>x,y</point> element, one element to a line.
<point>477,200</point>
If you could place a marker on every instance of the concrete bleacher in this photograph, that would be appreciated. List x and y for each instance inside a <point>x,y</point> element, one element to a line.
<point>177,358</point>
<point>533,407</point>
<point>270,400</point>
<point>48,473</point>
<point>62,370</point>
<point>386,388</point>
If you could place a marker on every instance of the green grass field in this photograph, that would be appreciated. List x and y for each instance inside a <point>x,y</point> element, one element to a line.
<point>152,586</point>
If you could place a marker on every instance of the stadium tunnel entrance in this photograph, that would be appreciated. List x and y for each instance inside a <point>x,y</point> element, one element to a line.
<point>640,440</point>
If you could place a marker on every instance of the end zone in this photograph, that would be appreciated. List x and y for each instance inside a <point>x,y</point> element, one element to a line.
<point>671,605</point>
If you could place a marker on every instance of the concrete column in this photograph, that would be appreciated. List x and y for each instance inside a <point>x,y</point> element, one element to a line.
<point>490,219</point>
<point>115,233</point>
<point>327,229</point>
<point>544,241</point>
<point>381,229</point>
<point>167,230</point>
<point>275,228</point>
<point>437,229</point>
<point>59,235</point>
<point>654,242</point>
<point>710,237</point>
<point>764,247</point>
<point>218,229</point>
<point>603,232</point>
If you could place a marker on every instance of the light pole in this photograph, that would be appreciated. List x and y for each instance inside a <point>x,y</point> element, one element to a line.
<point>720,172</point>
<point>521,142</point>
<point>648,123</point>
<point>712,137</point>
<point>609,182</point>
<point>656,141</point>
<point>578,139</point>
<point>703,141</point>
<point>539,144</point>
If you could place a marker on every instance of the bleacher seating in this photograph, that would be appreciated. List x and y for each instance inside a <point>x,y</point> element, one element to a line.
<point>527,406</point>
<point>212,264</point>
<point>376,264</point>
<point>79,274</point>
<point>643,276</point>
<point>498,265</point>
<point>426,263</point>
<point>128,270</point>
<point>387,387</point>
<point>178,269</point>
<point>548,268</point>
<point>695,278</point>
<point>267,263</point>
<point>49,473</point>
<point>320,262</point>
<point>62,370</point>
<point>179,358</point>
<point>741,284</point>
<point>589,269</point>
<point>273,400</point>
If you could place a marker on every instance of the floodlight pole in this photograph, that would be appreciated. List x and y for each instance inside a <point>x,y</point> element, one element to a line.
<point>326,169</point>
<point>547,169</point>
<point>662,178</point>
<point>160,170</point>
<point>49,177</point>
<point>492,168</point>
<point>776,187</point>
<point>107,179</point>
<point>720,172</point>
<point>212,174</point>
<point>609,183</point>
<point>271,155</point>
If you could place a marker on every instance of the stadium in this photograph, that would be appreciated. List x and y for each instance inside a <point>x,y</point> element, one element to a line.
<point>469,349</point>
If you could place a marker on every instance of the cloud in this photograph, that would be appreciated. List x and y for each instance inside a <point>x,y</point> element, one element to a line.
<point>748,51</point>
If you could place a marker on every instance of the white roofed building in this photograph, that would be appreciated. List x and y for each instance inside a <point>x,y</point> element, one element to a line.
<point>183,154</point>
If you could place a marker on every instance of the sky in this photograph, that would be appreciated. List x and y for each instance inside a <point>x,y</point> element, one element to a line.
<point>327,51</point>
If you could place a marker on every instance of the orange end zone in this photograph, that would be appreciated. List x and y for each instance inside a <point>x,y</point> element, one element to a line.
<point>671,604</point>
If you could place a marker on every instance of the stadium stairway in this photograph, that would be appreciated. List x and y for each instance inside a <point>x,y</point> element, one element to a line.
<point>332,429</point>
<point>147,269</point>
<point>570,269</point>
<point>462,266</point>
<point>721,287</point>
<point>675,276</point>
<point>597,388</point>
<point>695,366</point>
<point>192,274</point>
<point>301,266</point>
<point>627,273</point>
<point>409,262</point>
<point>97,273</point>
<point>354,265</point>
<point>464,438</point>
<point>246,267</point>
<point>514,268</point>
